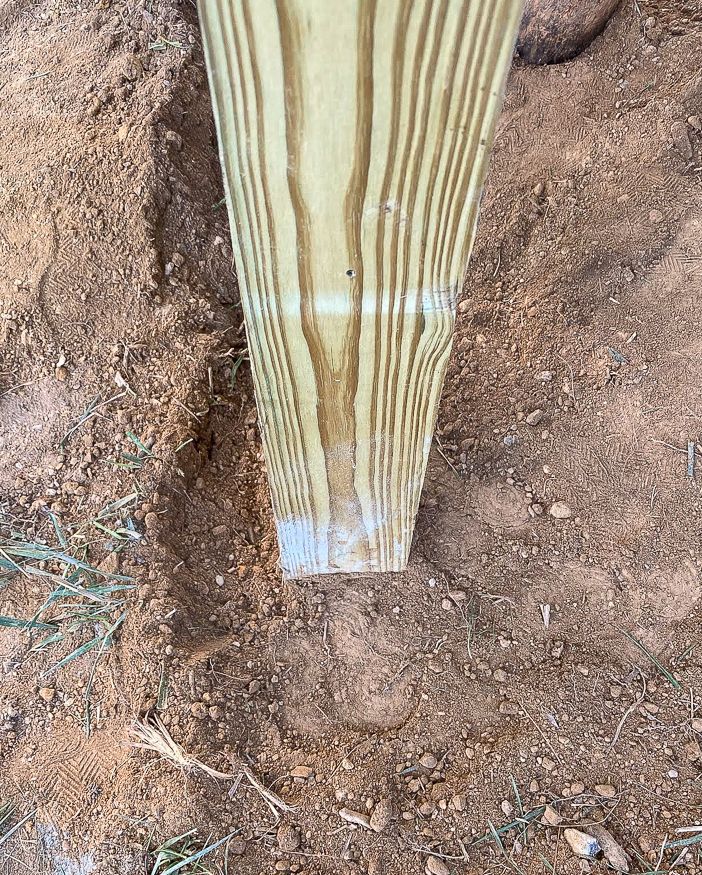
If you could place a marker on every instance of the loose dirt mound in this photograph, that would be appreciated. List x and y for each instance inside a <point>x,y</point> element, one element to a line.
<point>543,647</point>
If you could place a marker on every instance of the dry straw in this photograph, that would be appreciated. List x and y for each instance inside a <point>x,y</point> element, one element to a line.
<point>152,735</point>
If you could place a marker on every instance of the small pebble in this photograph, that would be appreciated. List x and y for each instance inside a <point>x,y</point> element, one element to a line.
<point>459,801</point>
<point>382,815</point>
<point>436,866</point>
<point>428,761</point>
<point>559,510</point>
<point>606,790</point>
<point>550,816</point>
<point>355,817</point>
<point>535,417</point>
<point>288,837</point>
<point>582,844</point>
<point>199,710</point>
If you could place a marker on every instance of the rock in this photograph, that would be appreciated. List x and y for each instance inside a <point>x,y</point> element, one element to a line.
<point>302,772</point>
<point>381,815</point>
<point>557,30</point>
<point>559,510</point>
<point>111,563</point>
<point>696,724</point>
<point>655,216</point>
<point>199,710</point>
<point>576,788</point>
<point>695,122</point>
<point>288,837</point>
<point>535,417</point>
<point>459,801</point>
<point>428,761</point>
<point>500,675</point>
<point>237,846</point>
<point>551,817</point>
<point>606,790</point>
<point>681,139</point>
<point>436,866</point>
<point>582,844</point>
<point>613,851</point>
<point>151,521</point>
<point>692,750</point>
<point>47,693</point>
<point>355,817</point>
<point>507,807</point>
<point>174,139</point>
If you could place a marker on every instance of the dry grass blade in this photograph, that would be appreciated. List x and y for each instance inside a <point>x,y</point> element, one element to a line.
<point>6,812</point>
<point>152,735</point>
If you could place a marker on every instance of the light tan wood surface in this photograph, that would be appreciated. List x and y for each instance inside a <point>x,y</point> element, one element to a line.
<point>354,138</point>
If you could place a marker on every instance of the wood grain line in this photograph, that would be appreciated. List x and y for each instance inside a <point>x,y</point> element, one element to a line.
<point>354,139</point>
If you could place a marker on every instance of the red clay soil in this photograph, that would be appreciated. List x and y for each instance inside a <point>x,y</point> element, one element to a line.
<point>544,646</point>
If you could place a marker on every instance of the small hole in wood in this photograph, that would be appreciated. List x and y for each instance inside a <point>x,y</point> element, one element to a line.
<point>351,272</point>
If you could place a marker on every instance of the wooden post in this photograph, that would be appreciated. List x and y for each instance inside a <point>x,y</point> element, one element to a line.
<point>354,137</point>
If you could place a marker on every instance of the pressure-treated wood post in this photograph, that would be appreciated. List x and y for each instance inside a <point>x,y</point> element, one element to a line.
<point>354,137</point>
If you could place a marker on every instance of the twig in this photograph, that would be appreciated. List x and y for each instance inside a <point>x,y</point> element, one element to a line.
<point>14,388</point>
<point>445,457</point>
<point>629,710</point>
<point>541,733</point>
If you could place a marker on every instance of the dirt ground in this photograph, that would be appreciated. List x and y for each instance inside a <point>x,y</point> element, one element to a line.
<point>544,646</point>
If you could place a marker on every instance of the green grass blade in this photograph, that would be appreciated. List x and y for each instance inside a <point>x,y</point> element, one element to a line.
<point>17,623</point>
<point>674,682</point>
<point>47,554</point>
<point>162,855</point>
<point>197,856</point>
<point>114,506</point>
<point>139,445</point>
<point>236,364</point>
<point>684,843</point>
<point>47,642</point>
<point>527,818</point>
<point>75,654</point>
<point>57,528</point>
